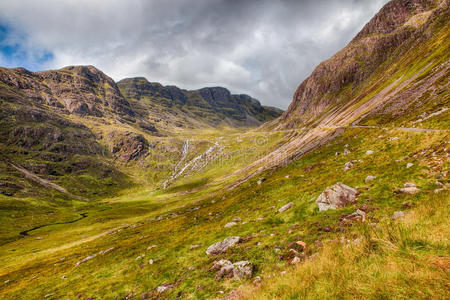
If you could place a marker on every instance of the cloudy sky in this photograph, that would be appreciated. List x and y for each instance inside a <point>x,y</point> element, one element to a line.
<point>264,48</point>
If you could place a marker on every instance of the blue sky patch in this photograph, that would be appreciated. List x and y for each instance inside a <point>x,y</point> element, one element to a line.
<point>14,51</point>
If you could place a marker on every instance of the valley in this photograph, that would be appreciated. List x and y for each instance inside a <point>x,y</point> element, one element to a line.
<point>135,190</point>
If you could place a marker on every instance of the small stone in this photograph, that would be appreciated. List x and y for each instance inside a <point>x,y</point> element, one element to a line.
<point>409,188</point>
<point>437,191</point>
<point>63,277</point>
<point>285,207</point>
<point>150,261</point>
<point>369,152</point>
<point>296,260</point>
<point>409,165</point>
<point>398,215</point>
<point>348,166</point>
<point>151,247</point>
<point>192,247</point>
<point>438,183</point>
<point>164,287</point>
<point>346,151</point>
<point>230,224</point>
<point>39,238</point>
<point>369,178</point>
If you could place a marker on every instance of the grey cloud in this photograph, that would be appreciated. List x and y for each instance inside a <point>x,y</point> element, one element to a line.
<point>261,47</point>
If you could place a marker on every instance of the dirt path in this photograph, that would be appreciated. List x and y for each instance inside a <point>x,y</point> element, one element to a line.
<point>46,183</point>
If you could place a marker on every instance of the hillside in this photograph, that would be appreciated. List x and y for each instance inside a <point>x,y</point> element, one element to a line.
<point>136,190</point>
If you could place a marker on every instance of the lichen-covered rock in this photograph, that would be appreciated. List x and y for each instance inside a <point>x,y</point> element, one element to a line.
<point>336,196</point>
<point>223,246</point>
<point>239,270</point>
<point>242,270</point>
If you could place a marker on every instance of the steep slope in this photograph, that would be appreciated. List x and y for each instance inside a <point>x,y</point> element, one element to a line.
<point>205,107</point>
<point>395,71</point>
<point>81,90</point>
<point>403,39</point>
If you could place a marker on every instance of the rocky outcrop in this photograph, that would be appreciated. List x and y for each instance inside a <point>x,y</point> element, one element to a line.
<point>81,90</point>
<point>336,196</point>
<point>388,36</point>
<point>211,105</point>
<point>127,145</point>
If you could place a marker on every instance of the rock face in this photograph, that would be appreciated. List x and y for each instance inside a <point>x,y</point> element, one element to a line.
<point>127,145</point>
<point>81,90</point>
<point>223,246</point>
<point>212,105</point>
<point>336,196</point>
<point>398,27</point>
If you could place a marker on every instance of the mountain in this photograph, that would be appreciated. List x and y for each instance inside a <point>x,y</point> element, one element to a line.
<point>393,73</point>
<point>211,106</point>
<point>397,64</point>
<point>76,126</point>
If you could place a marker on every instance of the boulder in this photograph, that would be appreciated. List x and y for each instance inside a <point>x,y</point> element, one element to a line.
<point>239,270</point>
<point>285,207</point>
<point>336,196</point>
<point>242,270</point>
<point>223,246</point>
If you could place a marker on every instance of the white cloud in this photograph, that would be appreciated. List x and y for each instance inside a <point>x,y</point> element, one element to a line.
<point>264,48</point>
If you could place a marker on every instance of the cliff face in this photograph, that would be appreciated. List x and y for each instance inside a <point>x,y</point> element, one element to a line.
<point>211,106</point>
<point>81,90</point>
<point>391,37</point>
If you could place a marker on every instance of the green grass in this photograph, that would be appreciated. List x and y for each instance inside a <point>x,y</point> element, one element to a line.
<point>202,212</point>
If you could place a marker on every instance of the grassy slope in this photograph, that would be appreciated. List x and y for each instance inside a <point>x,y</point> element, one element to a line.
<point>119,272</point>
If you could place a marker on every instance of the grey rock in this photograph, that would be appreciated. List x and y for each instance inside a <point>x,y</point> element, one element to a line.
<point>230,224</point>
<point>285,207</point>
<point>222,246</point>
<point>369,178</point>
<point>336,196</point>
<point>242,270</point>
<point>398,215</point>
<point>164,287</point>
<point>409,188</point>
